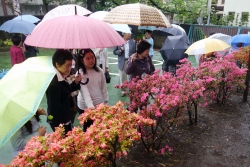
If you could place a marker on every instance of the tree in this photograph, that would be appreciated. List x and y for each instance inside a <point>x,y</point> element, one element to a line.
<point>57,2</point>
<point>186,11</point>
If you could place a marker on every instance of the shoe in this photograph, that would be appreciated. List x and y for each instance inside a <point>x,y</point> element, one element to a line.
<point>123,94</point>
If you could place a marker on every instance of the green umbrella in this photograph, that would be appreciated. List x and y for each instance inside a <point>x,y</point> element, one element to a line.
<point>21,91</point>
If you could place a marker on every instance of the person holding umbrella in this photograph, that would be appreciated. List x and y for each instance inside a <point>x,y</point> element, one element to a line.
<point>58,94</point>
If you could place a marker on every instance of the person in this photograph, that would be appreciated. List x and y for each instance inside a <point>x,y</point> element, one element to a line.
<point>95,91</point>
<point>206,57</point>
<point>140,63</point>
<point>124,52</point>
<point>30,129</point>
<point>16,53</point>
<point>29,51</point>
<point>102,59</point>
<point>150,40</point>
<point>170,66</point>
<point>58,94</point>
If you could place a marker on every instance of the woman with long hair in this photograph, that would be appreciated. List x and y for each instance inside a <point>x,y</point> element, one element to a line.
<point>95,91</point>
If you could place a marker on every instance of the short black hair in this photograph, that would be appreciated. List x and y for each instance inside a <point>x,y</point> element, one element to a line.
<point>60,57</point>
<point>142,46</point>
<point>16,39</point>
<point>148,31</point>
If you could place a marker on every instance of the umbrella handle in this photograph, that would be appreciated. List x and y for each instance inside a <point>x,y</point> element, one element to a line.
<point>85,83</point>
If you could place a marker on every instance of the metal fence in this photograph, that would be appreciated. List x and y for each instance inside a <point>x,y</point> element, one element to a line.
<point>198,32</point>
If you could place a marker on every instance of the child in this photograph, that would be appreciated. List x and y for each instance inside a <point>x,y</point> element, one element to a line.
<point>16,53</point>
<point>27,131</point>
<point>150,40</point>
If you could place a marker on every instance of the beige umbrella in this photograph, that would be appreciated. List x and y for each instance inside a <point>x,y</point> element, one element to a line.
<point>137,14</point>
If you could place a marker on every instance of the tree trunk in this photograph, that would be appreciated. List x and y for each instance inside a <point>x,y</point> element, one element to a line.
<point>90,5</point>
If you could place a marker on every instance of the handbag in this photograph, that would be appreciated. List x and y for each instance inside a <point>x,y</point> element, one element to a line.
<point>107,76</point>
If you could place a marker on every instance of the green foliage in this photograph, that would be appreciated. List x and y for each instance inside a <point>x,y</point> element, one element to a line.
<point>244,19</point>
<point>187,11</point>
<point>7,43</point>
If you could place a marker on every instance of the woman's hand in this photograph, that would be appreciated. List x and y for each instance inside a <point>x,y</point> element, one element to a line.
<point>78,78</point>
<point>133,57</point>
<point>41,130</point>
<point>41,111</point>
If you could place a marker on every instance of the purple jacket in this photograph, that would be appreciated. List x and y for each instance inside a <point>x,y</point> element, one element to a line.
<point>139,66</point>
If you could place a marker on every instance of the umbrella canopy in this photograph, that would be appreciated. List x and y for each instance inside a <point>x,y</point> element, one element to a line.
<point>206,46</point>
<point>118,27</point>
<point>74,32</point>
<point>28,18</point>
<point>177,26</point>
<point>22,90</point>
<point>99,15</point>
<point>137,14</point>
<point>17,26</point>
<point>223,37</point>
<point>171,30</point>
<point>174,48</point>
<point>66,10</point>
<point>241,38</point>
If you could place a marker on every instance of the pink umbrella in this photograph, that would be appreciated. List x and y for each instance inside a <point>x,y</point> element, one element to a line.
<point>74,32</point>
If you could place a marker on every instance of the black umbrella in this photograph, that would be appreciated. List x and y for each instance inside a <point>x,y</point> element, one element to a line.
<point>174,48</point>
<point>171,30</point>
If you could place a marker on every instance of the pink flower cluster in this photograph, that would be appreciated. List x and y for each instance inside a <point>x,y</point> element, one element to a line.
<point>112,133</point>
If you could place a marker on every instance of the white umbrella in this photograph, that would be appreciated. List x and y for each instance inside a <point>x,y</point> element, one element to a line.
<point>223,37</point>
<point>118,27</point>
<point>66,10</point>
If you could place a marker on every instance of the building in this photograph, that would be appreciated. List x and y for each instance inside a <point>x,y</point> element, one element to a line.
<point>13,7</point>
<point>239,9</point>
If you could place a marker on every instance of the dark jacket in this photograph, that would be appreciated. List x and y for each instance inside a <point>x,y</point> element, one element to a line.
<point>59,100</point>
<point>139,66</point>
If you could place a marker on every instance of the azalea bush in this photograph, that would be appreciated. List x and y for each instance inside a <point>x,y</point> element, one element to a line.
<point>162,98</point>
<point>242,55</point>
<point>221,76</point>
<point>193,87</point>
<point>112,133</point>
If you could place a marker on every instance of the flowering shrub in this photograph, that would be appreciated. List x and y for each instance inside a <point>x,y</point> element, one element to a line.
<point>220,77</point>
<point>242,55</point>
<point>162,98</point>
<point>112,133</point>
<point>193,87</point>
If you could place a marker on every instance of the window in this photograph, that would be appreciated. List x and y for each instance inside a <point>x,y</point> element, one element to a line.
<point>222,2</point>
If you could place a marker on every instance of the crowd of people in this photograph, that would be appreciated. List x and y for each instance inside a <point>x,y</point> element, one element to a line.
<point>80,81</point>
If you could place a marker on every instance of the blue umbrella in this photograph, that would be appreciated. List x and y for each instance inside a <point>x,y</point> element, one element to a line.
<point>28,18</point>
<point>18,26</point>
<point>241,38</point>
